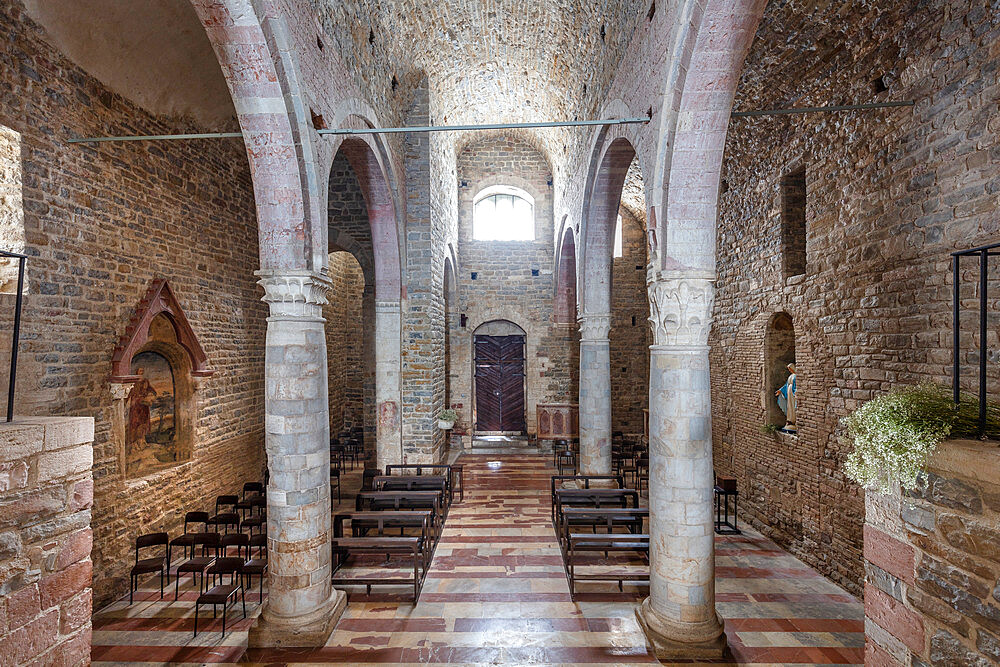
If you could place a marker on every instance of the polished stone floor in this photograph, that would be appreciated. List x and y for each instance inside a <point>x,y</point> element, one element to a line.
<point>496,595</point>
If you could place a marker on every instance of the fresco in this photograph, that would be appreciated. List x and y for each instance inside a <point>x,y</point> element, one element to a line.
<point>151,428</point>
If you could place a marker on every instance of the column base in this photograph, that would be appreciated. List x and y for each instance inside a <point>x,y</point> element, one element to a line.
<point>676,641</point>
<point>310,631</point>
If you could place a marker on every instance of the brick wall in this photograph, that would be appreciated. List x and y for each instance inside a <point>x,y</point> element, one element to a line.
<point>101,222</point>
<point>630,335</point>
<point>46,492</point>
<point>504,287</point>
<point>889,194</point>
<point>932,560</point>
<point>345,344</point>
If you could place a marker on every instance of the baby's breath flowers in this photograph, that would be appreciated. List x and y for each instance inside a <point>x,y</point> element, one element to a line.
<point>895,434</point>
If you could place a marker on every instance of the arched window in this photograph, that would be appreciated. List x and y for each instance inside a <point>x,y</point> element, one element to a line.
<point>503,213</point>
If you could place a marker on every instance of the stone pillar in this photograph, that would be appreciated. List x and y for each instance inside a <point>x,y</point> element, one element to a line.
<point>302,607</point>
<point>389,447</point>
<point>679,616</point>
<point>595,395</point>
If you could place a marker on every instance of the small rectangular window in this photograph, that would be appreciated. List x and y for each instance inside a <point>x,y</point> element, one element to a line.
<point>619,250</point>
<point>793,223</point>
<point>11,207</point>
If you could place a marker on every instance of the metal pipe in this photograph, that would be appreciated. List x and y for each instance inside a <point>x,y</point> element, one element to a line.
<point>374,130</point>
<point>15,338</point>
<point>956,333</point>
<point>845,107</point>
<point>983,271</point>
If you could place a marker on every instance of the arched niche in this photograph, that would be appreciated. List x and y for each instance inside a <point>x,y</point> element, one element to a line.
<point>779,351</point>
<point>153,383</point>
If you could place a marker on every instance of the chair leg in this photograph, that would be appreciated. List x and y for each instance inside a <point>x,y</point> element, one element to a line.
<point>161,583</point>
<point>177,585</point>
<point>196,605</point>
<point>243,599</point>
<point>131,587</point>
<point>225,609</point>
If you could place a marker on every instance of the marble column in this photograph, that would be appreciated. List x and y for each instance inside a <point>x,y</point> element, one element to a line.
<point>679,616</point>
<point>595,395</point>
<point>302,606</point>
<point>388,435</point>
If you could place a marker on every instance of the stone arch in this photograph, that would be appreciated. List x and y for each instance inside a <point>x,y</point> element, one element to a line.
<point>602,197</point>
<point>381,216</point>
<point>248,37</point>
<point>711,46</point>
<point>564,310</point>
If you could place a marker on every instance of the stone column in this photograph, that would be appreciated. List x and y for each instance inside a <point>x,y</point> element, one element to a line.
<point>679,616</point>
<point>389,446</point>
<point>302,607</point>
<point>369,409</point>
<point>595,395</point>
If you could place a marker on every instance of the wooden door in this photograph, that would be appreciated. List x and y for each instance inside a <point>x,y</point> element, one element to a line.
<point>500,383</point>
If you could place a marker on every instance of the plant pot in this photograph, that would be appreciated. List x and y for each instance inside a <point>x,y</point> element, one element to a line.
<point>445,426</point>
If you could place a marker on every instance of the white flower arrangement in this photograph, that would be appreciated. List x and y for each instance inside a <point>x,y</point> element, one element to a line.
<point>895,434</point>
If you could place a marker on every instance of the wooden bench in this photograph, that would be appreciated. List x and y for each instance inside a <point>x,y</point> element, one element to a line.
<point>363,542</point>
<point>628,519</point>
<point>452,472</point>
<point>585,480</point>
<point>579,545</point>
<point>593,498</point>
<point>381,501</point>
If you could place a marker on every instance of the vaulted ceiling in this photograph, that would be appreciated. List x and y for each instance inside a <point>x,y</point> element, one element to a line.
<point>489,61</point>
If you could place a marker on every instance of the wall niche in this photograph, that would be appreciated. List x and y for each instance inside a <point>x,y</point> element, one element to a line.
<point>155,369</point>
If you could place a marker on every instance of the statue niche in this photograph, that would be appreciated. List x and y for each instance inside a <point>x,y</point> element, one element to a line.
<point>154,367</point>
<point>779,391</point>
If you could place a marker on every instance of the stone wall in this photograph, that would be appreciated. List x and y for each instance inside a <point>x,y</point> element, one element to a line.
<point>630,335</point>
<point>505,286</point>
<point>46,492</point>
<point>890,193</point>
<point>101,222</point>
<point>932,562</point>
<point>345,344</point>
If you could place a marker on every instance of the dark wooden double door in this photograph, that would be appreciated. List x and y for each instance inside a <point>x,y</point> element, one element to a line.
<point>500,383</point>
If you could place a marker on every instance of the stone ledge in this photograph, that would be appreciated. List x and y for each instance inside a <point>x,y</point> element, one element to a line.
<point>971,459</point>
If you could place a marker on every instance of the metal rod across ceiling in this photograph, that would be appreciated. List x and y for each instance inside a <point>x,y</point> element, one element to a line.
<point>373,130</point>
<point>491,126</point>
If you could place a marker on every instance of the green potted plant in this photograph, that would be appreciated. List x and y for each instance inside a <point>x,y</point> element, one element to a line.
<point>896,433</point>
<point>446,419</point>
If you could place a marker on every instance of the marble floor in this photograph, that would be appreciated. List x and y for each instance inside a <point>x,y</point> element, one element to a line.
<point>496,595</point>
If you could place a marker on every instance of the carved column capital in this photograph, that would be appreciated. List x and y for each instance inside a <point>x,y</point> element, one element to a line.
<point>294,293</point>
<point>595,328</point>
<point>121,390</point>
<point>680,311</point>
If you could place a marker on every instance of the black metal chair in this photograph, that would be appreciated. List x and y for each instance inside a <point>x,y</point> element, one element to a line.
<point>222,593</point>
<point>335,480</point>
<point>250,491</point>
<point>239,541</point>
<point>151,564</point>
<point>209,543</point>
<point>256,566</point>
<point>188,538</point>
<point>225,513</point>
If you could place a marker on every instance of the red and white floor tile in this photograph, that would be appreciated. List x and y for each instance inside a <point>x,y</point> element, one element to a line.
<point>496,595</point>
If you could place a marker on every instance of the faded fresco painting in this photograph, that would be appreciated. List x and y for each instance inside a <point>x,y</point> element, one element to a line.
<point>151,427</point>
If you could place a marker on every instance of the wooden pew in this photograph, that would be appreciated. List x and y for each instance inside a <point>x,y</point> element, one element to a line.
<point>585,480</point>
<point>363,542</point>
<point>450,471</point>
<point>378,501</point>
<point>593,498</point>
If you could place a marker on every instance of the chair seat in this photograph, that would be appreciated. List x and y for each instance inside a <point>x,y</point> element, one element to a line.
<point>255,566</point>
<point>149,565</point>
<point>185,540</point>
<point>196,564</point>
<point>217,594</point>
<point>225,517</point>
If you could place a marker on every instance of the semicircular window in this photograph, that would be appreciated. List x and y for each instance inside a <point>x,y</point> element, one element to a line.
<point>503,213</point>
